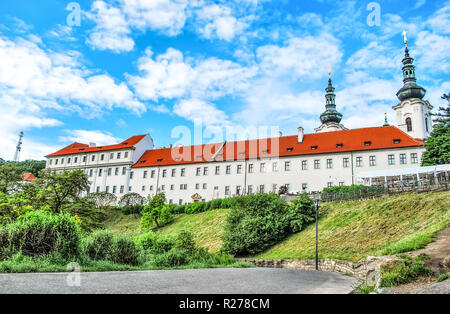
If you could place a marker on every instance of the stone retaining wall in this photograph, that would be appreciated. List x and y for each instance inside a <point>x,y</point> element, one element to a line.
<point>368,270</point>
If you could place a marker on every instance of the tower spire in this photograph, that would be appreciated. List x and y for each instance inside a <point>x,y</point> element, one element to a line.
<point>331,115</point>
<point>410,88</point>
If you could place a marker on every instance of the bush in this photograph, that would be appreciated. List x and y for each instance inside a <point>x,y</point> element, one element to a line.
<point>185,241</point>
<point>132,209</point>
<point>4,244</point>
<point>216,204</point>
<point>402,273</point>
<point>352,192</point>
<point>126,252</point>
<point>228,202</point>
<point>99,245</point>
<point>179,209</point>
<point>174,257</point>
<point>301,213</point>
<point>39,233</point>
<point>255,223</point>
<point>156,243</point>
<point>195,208</point>
<point>158,216</point>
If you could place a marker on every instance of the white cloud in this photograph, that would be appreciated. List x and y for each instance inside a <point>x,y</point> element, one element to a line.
<point>301,56</point>
<point>218,21</point>
<point>170,76</point>
<point>111,30</point>
<point>85,136</point>
<point>200,112</point>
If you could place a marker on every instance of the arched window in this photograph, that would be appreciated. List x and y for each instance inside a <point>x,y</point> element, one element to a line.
<point>408,124</point>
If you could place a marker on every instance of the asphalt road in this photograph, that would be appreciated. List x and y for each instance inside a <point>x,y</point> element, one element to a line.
<point>196,281</point>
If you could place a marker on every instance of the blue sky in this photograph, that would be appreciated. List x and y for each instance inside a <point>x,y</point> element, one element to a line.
<point>149,66</point>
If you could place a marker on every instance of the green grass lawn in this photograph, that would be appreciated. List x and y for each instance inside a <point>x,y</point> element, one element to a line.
<point>354,230</point>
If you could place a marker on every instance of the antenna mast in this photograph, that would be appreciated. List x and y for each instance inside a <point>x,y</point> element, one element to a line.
<point>18,147</point>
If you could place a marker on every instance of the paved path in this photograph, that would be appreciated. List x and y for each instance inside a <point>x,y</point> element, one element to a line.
<point>198,281</point>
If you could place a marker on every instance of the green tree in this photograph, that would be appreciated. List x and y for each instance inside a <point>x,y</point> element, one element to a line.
<point>443,115</point>
<point>131,199</point>
<point>437,146</point>
<point>301,213</point>
<point>61,189</point>
<point>10,178</point>
<point>156,212</point>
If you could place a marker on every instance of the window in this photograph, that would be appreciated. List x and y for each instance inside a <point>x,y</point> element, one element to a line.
<point>288,187</point>
<point>183,172</point>
<point>274,188</point>
<point>126,155</point>
<point>116,171</point>
<point>118,155</point>
<point>93,158</point>
<point>408,123</point>
<point>391,159</point>
<point>227,190</point>
<point>239,169</point>
<point>121,189</point>
<point>287,166</point>
<point>75,160</point>
<point>100,172</point>
<point>152,174</point>
<point>180,202</point>
<point>143,188</point>
<point>414,159</point>
<point>275,166</point>
<point>359,161</point>
<point>238,190</point>
<point>163,187</point>
<point>56,162</point>
<point>346,162</point>
<point>316,164</point>
<point>199,171</point>
<point>84,158</point>
<point>97,189</point>
<point>109,171</point>
<point>250,168</point>
<point>107,189</point>
<point>62,161</point>
<point>305,187</point>
<point>341,183</point>
<point>131,174</point>
<point>330,184</point>
<point>205,171</point>
<point>262,167</point>
<point>304,165</point>
<point>145,175</point>
<point>151,188</point>
<point>372,161</point>
<point>111,156</point>
<point>228,169</point>
<point>402,159</point>
<point>250,189</point>
<point>426,124</point>
<point>205,186</point>
<point>174,171</point>
<point>90,172</point>
<point>102,157</point>
<point>50,162</point>
<point>329,163</point>
<point>124,171</point>
<point>217,172</point>
<point>114,189</point>
<point>164,173</point>
<point>68,160</point>
<point>261,188</point>
<point>197,186</point>
<point>172,187</point>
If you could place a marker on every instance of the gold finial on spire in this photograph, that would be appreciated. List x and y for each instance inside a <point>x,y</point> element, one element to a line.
<point>329,70</point>
<point>405,39</point>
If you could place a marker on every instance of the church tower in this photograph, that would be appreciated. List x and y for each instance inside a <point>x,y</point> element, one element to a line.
<point>413,113</point>
<point>331,118</point>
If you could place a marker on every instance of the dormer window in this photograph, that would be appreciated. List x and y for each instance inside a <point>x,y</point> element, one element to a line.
<point>143,161</point>
<point>265,151</point>
<point>242,154</point>
<point>159,160</point>
<point>397,141</point>
<point>314,147</point>
<point>367,143</point>
<point>339,145</point>
<point>126,143</point>
<point>290,149</point>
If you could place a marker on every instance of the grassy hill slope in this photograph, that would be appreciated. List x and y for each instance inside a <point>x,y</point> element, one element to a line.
<point>356,229</point>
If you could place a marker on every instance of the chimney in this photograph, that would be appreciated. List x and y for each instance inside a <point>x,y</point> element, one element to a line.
<point>92,144</point>
<point>301,134</point>
<point>280,134</point>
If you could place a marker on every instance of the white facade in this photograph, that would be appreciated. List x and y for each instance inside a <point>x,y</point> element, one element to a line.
<point>414,118</point>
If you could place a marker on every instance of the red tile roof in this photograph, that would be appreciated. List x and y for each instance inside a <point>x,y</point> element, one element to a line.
<point>28,177</point>
<point>318,143</point>
<point>78,148</point>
